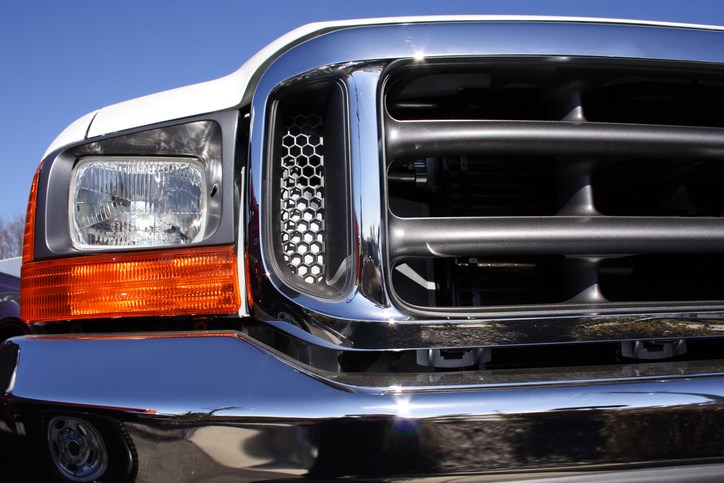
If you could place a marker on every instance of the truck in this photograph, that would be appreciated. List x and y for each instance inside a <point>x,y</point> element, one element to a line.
<point>445,248</point>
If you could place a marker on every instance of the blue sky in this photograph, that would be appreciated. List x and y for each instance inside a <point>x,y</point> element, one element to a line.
<point>62,59</point>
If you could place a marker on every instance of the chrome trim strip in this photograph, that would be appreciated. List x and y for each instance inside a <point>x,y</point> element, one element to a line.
<point>152,374</point>
<point>472,330</point>
<point>241,250</point>
<point>367,186</point>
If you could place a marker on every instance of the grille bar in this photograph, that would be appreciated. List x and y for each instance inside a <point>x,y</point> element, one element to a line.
<point>542,138</point>
<point>455,237</point>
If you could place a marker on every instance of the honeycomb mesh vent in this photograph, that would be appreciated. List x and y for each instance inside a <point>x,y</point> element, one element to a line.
<point>302,197</point>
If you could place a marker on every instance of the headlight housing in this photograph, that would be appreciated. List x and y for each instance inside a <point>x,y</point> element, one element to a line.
<point>136,224</point>
<point>137,202</point>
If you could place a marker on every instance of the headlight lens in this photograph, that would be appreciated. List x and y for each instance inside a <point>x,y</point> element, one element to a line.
<point>137,202</point>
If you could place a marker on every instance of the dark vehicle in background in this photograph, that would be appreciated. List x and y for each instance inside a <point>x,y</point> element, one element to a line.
<point>10,323</point>
<point>10,326</point>
<point>452,248</point>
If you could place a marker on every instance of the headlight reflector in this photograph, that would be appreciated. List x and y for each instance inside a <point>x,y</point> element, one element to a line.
<point>137,201</point>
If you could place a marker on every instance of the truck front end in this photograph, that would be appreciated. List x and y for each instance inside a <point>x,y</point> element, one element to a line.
<point>403,248</point>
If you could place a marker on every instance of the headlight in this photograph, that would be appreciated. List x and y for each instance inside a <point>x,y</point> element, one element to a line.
<point>139,224</point>
<point>137,201</point>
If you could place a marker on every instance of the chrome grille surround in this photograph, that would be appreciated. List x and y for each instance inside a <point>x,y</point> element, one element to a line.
<point>371,315</point>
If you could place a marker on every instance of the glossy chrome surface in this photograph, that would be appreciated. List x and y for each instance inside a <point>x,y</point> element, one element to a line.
<point>367,188</point>
<point>206,405</point>
<point>367,317</point>
<point>527,329</point>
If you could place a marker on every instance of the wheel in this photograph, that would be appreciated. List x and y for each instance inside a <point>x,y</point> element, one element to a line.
<point>84,449</point>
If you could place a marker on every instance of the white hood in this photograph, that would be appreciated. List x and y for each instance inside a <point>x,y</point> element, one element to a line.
<point>231,91</point>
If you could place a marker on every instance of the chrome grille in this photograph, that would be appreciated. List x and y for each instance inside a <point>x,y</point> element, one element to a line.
<point>485,112</point>
<point>531,187</point>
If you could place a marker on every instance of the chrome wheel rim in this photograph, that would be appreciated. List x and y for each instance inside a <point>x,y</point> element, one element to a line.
<point>77,449</point>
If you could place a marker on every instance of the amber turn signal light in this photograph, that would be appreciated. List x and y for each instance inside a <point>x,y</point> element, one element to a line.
<point>173,282</point>
<point>29,235</point>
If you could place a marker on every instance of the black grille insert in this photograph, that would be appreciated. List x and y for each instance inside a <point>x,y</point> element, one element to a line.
<point>659,187</point>
<point>682,101</point>
<point>475,186</point>
<point>308,220</point>
<point>666,277</point>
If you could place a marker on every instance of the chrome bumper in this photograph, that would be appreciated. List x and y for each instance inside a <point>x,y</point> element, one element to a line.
<point>202,406</point>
